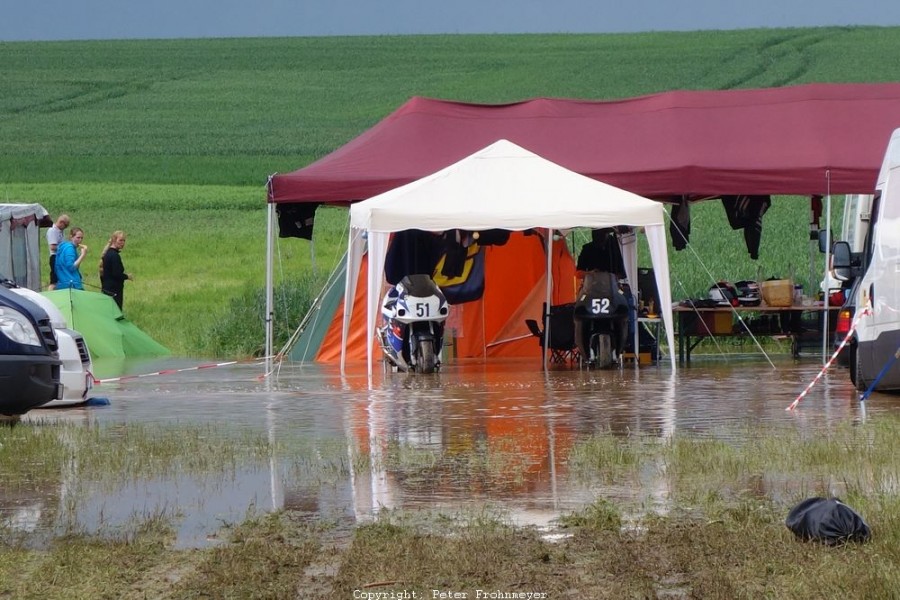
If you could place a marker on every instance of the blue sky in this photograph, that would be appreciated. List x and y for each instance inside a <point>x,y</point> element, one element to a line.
<point>115,19</point>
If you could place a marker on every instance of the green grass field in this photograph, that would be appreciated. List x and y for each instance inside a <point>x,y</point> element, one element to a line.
<point>172,142</point>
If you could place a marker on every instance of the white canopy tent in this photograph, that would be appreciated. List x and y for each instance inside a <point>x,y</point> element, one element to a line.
<point>507,187</point>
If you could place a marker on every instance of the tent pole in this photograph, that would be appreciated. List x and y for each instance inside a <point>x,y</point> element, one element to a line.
<point>546,315</point>
<point>826,317</point>
<point>270,309</point>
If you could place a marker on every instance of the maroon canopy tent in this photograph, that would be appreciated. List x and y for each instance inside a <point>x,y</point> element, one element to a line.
<point>811,140</point>
<point>803,140</point>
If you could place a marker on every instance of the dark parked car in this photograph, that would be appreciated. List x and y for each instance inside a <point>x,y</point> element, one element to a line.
<point>29,364</point>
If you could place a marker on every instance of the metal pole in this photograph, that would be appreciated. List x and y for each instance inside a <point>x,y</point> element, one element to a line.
<point>546,315</point>
<point>826,318</point>
<point>270,304</point>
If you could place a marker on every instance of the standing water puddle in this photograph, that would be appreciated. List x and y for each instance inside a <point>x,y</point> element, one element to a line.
<point>477,435</point>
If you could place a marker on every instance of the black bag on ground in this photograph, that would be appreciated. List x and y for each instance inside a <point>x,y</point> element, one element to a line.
<point>827,520</point>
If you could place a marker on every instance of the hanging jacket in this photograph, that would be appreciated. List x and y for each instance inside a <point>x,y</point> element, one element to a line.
<point>746,212</point>
<point>680,223</point>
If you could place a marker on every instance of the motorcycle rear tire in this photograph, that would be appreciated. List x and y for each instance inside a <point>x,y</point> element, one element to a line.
<point>426,362</point>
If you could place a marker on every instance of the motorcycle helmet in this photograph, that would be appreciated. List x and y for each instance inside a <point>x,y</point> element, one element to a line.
<point>748,293</point>
<point>724,294</point>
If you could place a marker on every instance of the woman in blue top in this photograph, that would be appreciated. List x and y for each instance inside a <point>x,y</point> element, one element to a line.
<point>69,255</point>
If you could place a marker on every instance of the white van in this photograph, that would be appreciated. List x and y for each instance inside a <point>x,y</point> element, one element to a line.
<point>877,338</point>
<point>76,371</point>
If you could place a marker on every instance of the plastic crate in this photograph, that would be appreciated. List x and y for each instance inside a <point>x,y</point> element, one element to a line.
<point>710,323</point>
<point>778,292</point>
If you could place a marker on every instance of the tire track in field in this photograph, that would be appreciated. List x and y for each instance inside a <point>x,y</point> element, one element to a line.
<point>85,94</point>
<point>779,60</point>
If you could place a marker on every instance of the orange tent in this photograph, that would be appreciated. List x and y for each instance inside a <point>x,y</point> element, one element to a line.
<point>494,325</point>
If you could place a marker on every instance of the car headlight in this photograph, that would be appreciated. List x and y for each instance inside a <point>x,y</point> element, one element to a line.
<point>17,327</point>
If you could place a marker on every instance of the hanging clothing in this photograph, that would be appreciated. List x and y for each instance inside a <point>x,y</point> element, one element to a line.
<point>296,220</point>
<point>602,253</point>
<point>680,223</point>
<point>746,212</point>
<point>815,210</point>
<point>411,252</point>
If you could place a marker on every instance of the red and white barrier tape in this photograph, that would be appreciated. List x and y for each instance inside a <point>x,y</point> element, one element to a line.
<point>843,343</point>
<point>171,371</point>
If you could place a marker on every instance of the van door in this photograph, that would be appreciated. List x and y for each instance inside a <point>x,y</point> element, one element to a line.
<point>879,333</point>
<point>887,259</point>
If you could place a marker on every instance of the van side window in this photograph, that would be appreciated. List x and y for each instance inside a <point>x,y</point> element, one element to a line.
<point>869,246</point>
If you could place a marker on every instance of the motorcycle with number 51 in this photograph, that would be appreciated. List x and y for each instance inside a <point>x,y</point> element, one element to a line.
<point>412,333</point>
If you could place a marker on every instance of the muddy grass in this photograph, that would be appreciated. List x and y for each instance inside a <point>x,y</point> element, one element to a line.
<point>747,553</point>
<point>720,535</point>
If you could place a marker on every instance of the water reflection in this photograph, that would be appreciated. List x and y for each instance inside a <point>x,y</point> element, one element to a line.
<point>497,434</point>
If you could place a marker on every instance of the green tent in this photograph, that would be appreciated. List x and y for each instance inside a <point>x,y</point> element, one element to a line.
<point>315,325</point>
<point>105,329</point>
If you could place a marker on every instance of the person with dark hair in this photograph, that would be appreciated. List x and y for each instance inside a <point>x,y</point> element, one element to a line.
<point>112,271</point>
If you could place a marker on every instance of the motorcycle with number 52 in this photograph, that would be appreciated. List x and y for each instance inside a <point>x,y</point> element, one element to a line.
<point>601,319</point>
<point>412,333</point>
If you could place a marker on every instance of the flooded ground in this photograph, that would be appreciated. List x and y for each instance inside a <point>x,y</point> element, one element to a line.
<point>506,411</point>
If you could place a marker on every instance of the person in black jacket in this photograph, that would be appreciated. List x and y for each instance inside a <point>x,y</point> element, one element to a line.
<point>112,271</point>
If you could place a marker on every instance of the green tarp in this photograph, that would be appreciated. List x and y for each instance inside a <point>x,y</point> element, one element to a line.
<point>105,329</point>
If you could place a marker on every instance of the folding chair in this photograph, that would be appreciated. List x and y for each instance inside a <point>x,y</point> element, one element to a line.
<point>561,346</point>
